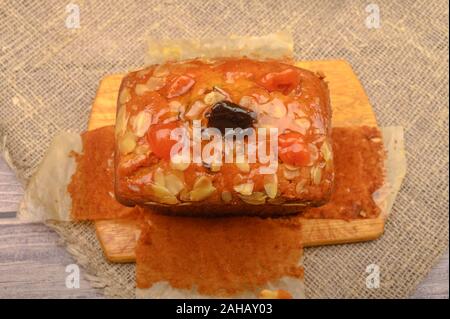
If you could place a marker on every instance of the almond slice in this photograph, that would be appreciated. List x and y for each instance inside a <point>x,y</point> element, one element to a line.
<point>161,70</point>
<point>248,102</point>
<point>173,183</point>
<point>244,189</point>
<point>326,151</point>
<point>316,175</point>
<point>124,96</point>
<point>141,123</point>
<point>203,188</point>
<point>127,143</point>
<point>215,167</point>
<point>141,89</point>
<point>300,187</point>
<point>163,195</point>
<point>177,162</point>
<point>244,167</point>
<point>274,108</point>
<point>213,97</point>
<point>257,198</point>
<point>195,110</point>
<point>290,174</point>
<point>121,121</point>
<point>271,185</point>
<point>158,177</point>
<point>303,124</point>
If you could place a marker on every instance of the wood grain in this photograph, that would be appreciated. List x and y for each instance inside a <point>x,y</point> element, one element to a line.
<point>32,264</point>
<point>351,107</point>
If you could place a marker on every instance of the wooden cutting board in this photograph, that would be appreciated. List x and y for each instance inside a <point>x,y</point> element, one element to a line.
<point>351,107</point>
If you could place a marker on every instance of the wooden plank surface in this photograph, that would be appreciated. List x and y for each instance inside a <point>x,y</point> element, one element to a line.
<point>32,264</point>
<point>351,107</point>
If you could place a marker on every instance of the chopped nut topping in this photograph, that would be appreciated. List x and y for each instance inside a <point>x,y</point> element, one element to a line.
<point>316,175</point>
<point>213,97</point>
<point>243,166</point>
<point>290,173</point>
<point>124,96</point>
<point>155,83</point>
<point>121,121</point>
<point>271,185</point>
<point>203,188</point>
<point>257,198</point>
<point>162,195</point>
<point>127,143</point>
<point>141,123</point>
<point>173,183</point>
<point>244,189</point>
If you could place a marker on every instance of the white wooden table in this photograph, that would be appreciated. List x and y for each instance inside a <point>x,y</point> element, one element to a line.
<point>33,264</point>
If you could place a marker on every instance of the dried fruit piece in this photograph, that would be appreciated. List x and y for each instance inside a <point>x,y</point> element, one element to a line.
<point>158,137</point>
<point>284,81</point>
<point>292,149</point>
<point>226,114</point>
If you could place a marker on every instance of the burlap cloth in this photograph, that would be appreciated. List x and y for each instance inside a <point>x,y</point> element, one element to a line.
<point>49,75</point>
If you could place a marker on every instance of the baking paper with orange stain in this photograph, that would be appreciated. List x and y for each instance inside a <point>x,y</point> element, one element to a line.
<point>222,257</point>
<point>92,185</point>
